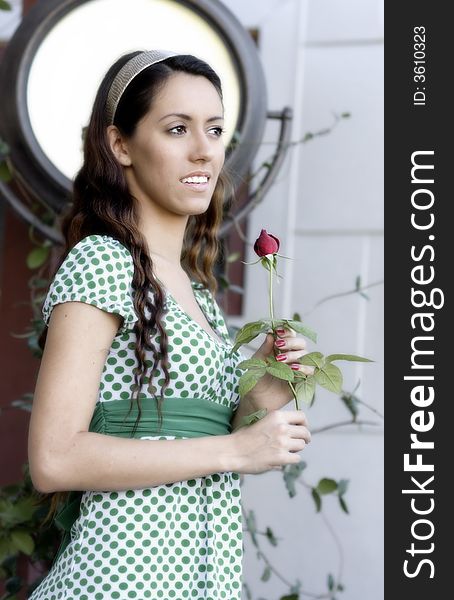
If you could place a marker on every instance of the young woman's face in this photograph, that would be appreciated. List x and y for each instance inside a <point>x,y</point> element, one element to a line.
<point>180,135</point>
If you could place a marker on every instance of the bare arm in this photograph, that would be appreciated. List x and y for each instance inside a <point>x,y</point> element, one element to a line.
<point>64,455</point>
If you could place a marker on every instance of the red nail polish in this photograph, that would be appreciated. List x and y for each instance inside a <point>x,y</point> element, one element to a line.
<point>295,366</point>
<point>281,357</point>
<point>280,343</point>
<point>280,331</point>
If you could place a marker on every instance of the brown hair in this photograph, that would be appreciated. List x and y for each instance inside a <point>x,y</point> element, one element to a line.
<point>102,204</point>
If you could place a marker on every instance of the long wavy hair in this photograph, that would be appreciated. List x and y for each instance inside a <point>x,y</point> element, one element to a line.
<point>102,204</point>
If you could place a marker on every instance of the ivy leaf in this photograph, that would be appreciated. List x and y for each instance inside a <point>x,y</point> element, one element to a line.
<point>330,582</point>
<point>300,328</point>
<point>291,473</point>
<point>23,541</point>
<point>342,486</point>
<point>37,257</point>
<point>247,590</point>
<point>305,389</point>
<point>351,402</point>
<point>351,357</point>
<point>253,417</point>
<point>317,499</point>
<point>5,5</point>
<point>5,548</point>
<point>251,526</point>
<point>343,504</point>
<point>329,377</point>
<point>5,174</point>
<point>290,597</point>
<point>281,371</point>
<point>312,359</point>
<point>266,573</point>
<point>248,332</point>
<point>248,380</point>
<point>326,486</point>
<point>270,535</point>
<point>251,363</point>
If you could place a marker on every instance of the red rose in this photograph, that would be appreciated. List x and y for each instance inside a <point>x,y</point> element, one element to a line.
<point>266,244</point>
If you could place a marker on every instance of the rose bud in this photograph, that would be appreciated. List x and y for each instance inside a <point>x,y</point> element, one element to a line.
<point>266,244</point>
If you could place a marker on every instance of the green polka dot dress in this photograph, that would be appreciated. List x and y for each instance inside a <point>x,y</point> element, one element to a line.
<point>178,540</point>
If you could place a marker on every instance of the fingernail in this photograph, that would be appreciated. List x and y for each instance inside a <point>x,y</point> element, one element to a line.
<point>280,331</point>
<point>280,342</point>
<point>281,357</point>
<point>295,366</point>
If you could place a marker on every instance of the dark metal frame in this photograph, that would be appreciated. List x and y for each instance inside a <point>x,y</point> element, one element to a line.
<point>39,176</point>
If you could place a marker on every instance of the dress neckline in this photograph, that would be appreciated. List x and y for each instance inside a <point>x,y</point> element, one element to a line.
<point>196,287</point>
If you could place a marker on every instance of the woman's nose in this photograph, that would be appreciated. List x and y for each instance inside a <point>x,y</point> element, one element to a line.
<point>201,146</point>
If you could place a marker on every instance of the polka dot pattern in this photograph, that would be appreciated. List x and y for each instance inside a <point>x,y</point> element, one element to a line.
<point>173,541</point>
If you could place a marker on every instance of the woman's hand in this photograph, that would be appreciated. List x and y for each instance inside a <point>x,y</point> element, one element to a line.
<point>272,442</point>
<point>270,392</point>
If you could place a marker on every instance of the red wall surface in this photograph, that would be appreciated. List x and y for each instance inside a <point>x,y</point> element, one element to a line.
<point>19,367</point>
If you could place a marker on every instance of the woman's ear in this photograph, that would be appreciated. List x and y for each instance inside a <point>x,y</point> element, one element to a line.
<point>118,146</point>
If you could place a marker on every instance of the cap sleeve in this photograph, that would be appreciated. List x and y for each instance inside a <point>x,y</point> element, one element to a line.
<point>98,270</point>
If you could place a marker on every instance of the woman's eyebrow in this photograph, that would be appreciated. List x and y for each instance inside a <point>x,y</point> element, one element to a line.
<point>188,118</point>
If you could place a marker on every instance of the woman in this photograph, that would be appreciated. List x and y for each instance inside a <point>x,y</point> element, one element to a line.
<point>137,349</point>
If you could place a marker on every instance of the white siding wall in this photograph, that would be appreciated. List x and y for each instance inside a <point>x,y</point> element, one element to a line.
<point>323,57</point>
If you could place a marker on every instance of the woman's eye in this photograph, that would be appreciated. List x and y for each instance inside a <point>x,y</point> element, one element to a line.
<point>219,131</point>
<point>178,127</point>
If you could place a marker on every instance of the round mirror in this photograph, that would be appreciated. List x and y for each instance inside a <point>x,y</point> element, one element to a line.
<point>54,63</point>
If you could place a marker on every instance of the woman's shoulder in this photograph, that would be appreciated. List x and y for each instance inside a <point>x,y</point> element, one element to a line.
<point>99,252</point>
<point>97,270</point>
<point>96,244</point>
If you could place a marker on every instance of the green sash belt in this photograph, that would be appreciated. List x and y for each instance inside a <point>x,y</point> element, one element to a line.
<point>182,417</point>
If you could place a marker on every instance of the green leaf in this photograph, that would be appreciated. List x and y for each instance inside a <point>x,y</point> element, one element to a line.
<point>330,582</point>
<point>300,328</point>
<point>329,377</point>
<point>343,504</point>
<point>23,541</point>
<point>351,402</point>
<point>266,573</point>
<point>5,5</point>
<point>305,389</point>
<point>281,371</point>
<point>253,417</point>
<point>6,548</point>
<point>37,257</point>
<point>312,359</point>
<point>251,363</point>
<point>5,174</point>
<point>251,526</point>
<point>291,474</point>
<point>326,486</point>
<point>247,381</point>
<point>271,538</point>
<point>317,499</point>
<point>247,590</point>
<point>290,597</point>
<point>248,332</point>
<point>342,486</point>
<point>351,357</point>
